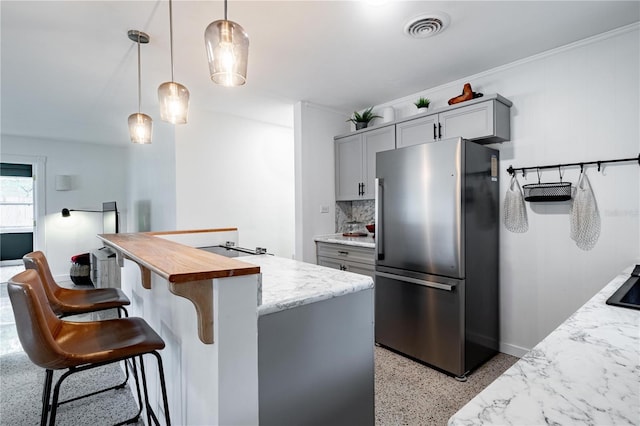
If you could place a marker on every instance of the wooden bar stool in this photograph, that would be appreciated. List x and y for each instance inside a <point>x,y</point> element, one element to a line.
<point>66,301</point>
<point>54,344</point>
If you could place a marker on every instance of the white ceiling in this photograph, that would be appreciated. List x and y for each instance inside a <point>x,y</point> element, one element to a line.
<point>68,70</point>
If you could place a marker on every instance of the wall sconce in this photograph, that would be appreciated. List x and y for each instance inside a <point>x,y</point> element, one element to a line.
<point>63,183</point>
<point>67,212</point>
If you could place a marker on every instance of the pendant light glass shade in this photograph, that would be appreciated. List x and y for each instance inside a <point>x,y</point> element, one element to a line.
<point>140,125</point>
<point>140,128</point>
<point>174,102</point>
<point>227,47</point>
<point>173,97</point>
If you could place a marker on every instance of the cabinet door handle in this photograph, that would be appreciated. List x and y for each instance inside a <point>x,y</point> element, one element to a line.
<point>362,189</point>
<point>439,130</point>
<point>344,253</point>
<point>434,132</point>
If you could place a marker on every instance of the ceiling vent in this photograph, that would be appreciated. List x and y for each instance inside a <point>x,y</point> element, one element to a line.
<point>426,25</point>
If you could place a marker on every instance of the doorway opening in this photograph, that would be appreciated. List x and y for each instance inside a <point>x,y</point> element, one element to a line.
<point>21,209</point>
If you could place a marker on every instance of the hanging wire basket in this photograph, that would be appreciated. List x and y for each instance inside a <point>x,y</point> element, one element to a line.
<point>555,191</point>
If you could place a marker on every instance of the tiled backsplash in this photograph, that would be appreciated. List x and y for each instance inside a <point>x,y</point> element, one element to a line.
<point>360,211</point>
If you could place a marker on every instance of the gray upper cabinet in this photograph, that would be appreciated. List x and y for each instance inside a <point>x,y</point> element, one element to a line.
<point>484,120</point>
<point>419,130</point>
<point>355,157</point>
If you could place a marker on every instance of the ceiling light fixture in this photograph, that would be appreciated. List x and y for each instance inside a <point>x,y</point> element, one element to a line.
<point>173,97</point>
<point>140,125</point>
<point>227,47</point>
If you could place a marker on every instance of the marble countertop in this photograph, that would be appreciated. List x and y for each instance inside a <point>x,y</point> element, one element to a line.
<point>289,283</point>
<point>367,242</point>
<point>587,371</point>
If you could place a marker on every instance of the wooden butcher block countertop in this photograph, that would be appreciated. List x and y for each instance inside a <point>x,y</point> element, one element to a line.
<point>175,262</point>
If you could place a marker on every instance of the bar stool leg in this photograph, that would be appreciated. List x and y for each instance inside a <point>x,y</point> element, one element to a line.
<point>140,404</point>
<point>56,395</point>
<point>46,396</point>
<point>147,406</point>
<point>164,388</point>
<point>150,413</point>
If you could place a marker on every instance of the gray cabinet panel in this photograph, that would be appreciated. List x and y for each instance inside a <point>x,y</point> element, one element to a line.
<point>348,152</point>
<point>373,142</point>
<point>320,375</point>
<point>359,260</point>
<point>485,121</point>
<point>417,131</point>
<point>471,122</point>
<point>481,120</point>
<point>355,159</point>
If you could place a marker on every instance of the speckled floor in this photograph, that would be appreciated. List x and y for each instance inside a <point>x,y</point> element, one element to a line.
<point>406,392</point>
<point>409,393</point>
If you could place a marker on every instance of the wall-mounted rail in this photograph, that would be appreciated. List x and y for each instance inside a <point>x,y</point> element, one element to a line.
<point>513,170</point>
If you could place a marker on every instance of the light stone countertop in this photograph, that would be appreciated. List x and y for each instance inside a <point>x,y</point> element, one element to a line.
<point>587,371</point>
<point>368,242</point>
<point>289,283</point>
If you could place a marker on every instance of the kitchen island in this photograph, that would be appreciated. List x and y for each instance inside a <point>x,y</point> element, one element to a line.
<point>587,371</point>
<point>315,344</point>
<point>252,340</point>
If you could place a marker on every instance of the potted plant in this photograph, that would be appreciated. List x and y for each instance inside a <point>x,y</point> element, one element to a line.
<point>422,104</point>
<point>362,120</point>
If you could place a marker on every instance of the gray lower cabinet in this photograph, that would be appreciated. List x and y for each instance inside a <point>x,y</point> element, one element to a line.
<point>483,121</point>
<point>359,260</point>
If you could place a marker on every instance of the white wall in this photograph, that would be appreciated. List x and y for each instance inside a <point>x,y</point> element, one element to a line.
<point>151,187</point>
<point>577,103</point>
<point>315,184</point>
<point>98,174</point>
<point>236,172</point>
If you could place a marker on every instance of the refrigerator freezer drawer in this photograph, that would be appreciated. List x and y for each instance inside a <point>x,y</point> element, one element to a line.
<point>421,321</point>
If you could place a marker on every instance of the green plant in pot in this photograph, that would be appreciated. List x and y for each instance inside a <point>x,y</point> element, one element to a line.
<point>422,103</point>
<point>362,120</point>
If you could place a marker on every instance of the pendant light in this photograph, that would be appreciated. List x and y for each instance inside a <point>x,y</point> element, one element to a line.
<point>140,125</point>
<point>173,97</point>
<point>227,47</point>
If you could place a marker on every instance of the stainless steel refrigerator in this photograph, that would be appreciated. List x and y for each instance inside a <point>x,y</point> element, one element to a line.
<point>437,223</point>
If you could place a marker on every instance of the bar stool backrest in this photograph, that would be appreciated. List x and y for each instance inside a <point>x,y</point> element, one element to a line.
<point>36,323</point>
<point>37,261</point>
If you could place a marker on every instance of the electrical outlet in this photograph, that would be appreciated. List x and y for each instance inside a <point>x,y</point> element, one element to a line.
<point>324,209</point>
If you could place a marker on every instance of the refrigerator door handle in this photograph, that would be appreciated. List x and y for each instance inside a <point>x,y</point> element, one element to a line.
<point>378,219</point>
<point>439,286</point>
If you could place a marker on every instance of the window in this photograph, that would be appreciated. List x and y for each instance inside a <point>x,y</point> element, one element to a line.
<point>16,197</point>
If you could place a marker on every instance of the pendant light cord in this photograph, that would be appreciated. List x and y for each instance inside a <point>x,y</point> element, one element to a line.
<point>139,79</point>
<point>171,35</point>
<point>225,10</point>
